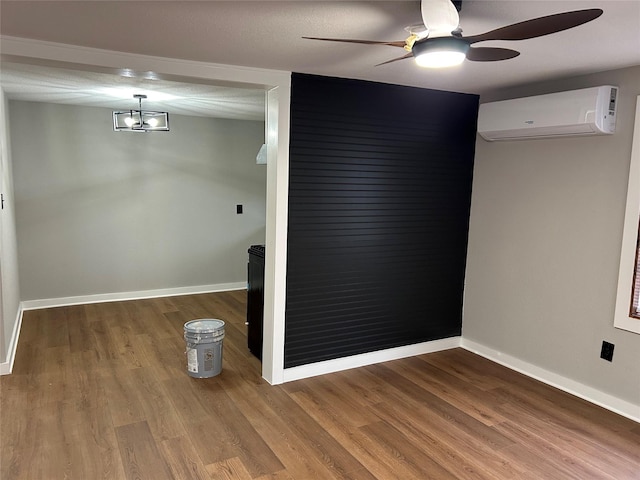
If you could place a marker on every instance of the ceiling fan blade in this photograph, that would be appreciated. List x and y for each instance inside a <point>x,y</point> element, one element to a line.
<point>440,16</point>
<point>538,27</point>
<point>408,55</point>
<point>489,54</point>
<point>399,43</point>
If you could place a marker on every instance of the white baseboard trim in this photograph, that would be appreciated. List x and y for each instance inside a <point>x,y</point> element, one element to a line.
<point>354,361</point>
<point>6,367</point>
<point>124,296</point>
<point>590,394</point>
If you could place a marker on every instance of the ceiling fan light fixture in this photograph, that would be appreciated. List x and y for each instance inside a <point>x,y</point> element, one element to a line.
<point>440,52</point>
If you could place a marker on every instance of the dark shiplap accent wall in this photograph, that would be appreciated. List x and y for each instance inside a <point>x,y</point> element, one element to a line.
<point>379,196</point>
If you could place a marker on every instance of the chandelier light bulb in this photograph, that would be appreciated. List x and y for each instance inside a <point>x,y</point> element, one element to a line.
<point>140,120</point>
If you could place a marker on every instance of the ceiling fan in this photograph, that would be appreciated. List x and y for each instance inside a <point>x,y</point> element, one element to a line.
<point>438,42</point>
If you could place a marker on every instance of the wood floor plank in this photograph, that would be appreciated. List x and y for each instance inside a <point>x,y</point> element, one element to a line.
<point>407,454</point>
<point>159,413</point>
<point>48,450</point>
<point>326,394</point>
<point>55,329</point>
<point>451,413</point>
<point>87,414</point>
<point>231,469</point>
<point>446,430</point>
<point>376,459</point>
<point>106,348</point>
<point>80,337</point>
<point>623,444</point>
<point>141,457</point>
<point>465,396</point>
<point>183,460</point>
<point>180,392</point>
<point>166,359</point>
<point>28,359</point>
<point>575,444</point>
<point>469,367</point>
<point>466,456</point>
<point>566,466</point>
<point>536,464</point>
<point>101,391</point>
<point>217,429</point>
<point>518,386</point>
<point>334,454</point>
<point>233,429</point>
<point>124,401</point>
<point>211,441</point>
<point>298,454</point>
<point>361,387</point>
<point>148,318</point>
<point>163,304</point>
<point>93,448</point>
<point>176,320</point>
<point>128,349</point>
<point>282,475</point>
<point>17,394</point>
<point>74,437</point>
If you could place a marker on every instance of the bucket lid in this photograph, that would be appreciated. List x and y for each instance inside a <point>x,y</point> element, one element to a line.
<point>204,325</point>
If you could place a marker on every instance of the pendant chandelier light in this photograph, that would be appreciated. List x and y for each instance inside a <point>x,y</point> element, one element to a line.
<point>140,120</point>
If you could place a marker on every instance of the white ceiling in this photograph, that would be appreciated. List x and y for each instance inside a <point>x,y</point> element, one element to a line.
<point>93,89</point>
<point>268,34</point>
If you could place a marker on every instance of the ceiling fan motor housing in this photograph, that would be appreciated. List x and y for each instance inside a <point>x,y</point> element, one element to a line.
<point>453,44</point>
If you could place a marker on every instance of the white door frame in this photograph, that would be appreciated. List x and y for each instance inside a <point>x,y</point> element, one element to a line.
<point>276,83</point>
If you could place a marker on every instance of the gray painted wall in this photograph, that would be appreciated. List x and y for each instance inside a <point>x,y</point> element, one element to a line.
<point>10,292</point>
<point>544,246</point>
<point>100,211</point>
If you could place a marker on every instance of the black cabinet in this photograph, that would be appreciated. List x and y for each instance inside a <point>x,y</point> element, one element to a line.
<point>255,299</point>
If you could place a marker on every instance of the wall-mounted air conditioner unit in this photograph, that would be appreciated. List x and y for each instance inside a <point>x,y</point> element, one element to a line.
<point>589,111</point>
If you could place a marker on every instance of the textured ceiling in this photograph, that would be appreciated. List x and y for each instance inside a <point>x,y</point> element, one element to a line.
<point>55,85</point>
<point>268,34</point>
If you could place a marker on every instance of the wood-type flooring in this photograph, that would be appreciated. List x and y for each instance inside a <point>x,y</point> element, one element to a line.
<point>100,391</point>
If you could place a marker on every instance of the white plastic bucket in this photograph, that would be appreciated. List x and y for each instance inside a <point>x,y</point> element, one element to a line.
<point>204,347</point>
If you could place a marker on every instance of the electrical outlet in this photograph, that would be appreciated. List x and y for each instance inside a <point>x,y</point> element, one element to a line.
<point>238,209</point>
<point>607,351</point>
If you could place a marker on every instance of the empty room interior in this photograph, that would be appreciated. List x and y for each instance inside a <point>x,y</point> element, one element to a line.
<point>409,228</point>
